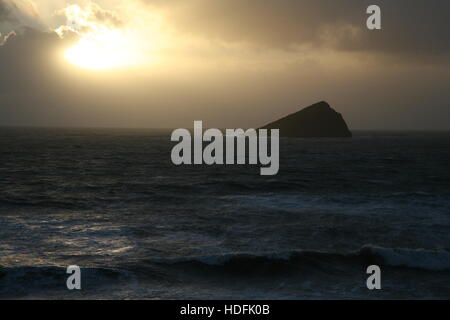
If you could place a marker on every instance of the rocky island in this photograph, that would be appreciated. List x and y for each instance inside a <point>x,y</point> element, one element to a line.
<point>316,121</point>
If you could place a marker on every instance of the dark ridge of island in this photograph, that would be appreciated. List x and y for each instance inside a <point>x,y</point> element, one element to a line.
<point>316,121</point>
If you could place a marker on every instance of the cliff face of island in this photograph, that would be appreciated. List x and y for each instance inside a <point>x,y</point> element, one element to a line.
<point>316,121</point>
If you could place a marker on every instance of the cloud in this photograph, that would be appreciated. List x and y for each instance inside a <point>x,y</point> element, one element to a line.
<point>6,17</point>
<point>415,28</point>
<point>414,31</point>
<point>4,10</point>
<point>16,15</point>
<point>87,19</point>
<point>4,39</point>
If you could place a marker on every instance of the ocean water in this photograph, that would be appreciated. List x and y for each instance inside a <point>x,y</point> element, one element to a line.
<point>111,202</point>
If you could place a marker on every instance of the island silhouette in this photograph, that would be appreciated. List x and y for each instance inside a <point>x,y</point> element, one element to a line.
<point>316,121</point>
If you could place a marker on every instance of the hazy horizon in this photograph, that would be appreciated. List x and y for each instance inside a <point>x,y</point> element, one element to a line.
<point>169,130</point>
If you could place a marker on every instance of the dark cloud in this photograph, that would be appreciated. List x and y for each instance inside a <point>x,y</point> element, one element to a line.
<point>5,12</point>
<point>410,27</point>
<point>17,16</point>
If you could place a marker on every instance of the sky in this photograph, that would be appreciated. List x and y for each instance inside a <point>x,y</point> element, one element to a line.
<point>229,63</point>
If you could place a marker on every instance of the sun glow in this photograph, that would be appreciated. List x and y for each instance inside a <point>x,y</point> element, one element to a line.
<point>105,50</point>
<point>106,41</point>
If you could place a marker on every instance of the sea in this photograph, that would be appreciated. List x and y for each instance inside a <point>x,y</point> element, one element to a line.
<point>111,202</point>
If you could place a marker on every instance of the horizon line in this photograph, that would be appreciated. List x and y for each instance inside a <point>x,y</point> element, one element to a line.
<point>174,128</point>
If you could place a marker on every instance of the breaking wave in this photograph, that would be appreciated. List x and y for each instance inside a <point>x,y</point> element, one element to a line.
<point>394,257</point>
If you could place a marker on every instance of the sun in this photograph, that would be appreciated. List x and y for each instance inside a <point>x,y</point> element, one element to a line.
<point>106,50</point>
<point>107,41</point>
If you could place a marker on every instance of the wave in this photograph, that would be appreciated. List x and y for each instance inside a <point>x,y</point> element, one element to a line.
<point>394,257</point>
<point>431,260</point>
<point>20,279</point>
